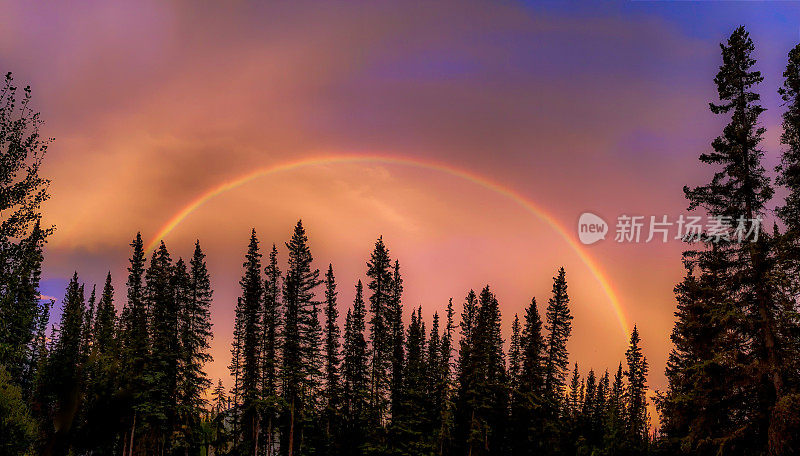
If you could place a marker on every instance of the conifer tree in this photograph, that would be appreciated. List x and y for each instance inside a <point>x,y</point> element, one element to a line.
<point>483,393</point>
<point>411,425</point>
<point>445,418</point>
<point>514,359</point>
<point>355,376</point>
<point>559,325</point>
<point>270,341</point>
<point>193,292</point>
<point>379,271</point>
<point>729,301</point>
<point>527,424</point>
<point>248,361</point>
<point>135,341</point>
<point>87,330</point>
<point>332,345</point>
<point>301,338</point>
<point>161,370</point>
<point>397,335</point>
<point>615,441</point>
<point>101,392</point>
<point>105,320</point>
<point>65,369</point>
<point>636,375</point>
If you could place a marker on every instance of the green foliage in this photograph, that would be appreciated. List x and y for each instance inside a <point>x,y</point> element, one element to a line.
<point>17,428</point>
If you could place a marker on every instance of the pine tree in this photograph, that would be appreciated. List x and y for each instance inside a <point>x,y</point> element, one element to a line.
<point>379,271</point>
<point>269,356</point>
<point>194,294</point>
<point>445,417</point>
<point>161,371</point>
<point>135,340</point>
<point>615,441</point>
<point>411,425</point>
<point>573,405</point>
<point>355,376</point>
<point>514,359</point>
<point>105,320</point>
<point>729,298</point>
<point>101,395</point>
<point>483,393</point>
<point>248,361</point>
<point>527,423</point>
<point>785,430</point>
<point>65,368</point>
<point>559,325</point>
<point>87,330</point>
<point>332,385</point>
<point>636,375</point>
<point>301,338</point>
<point>397,336</point>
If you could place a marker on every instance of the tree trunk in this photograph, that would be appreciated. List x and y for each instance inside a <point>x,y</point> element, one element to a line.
<point>291,429</point>
<point>133,431</point>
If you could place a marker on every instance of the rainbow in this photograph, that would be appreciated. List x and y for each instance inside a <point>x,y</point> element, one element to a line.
<point>484,182</point>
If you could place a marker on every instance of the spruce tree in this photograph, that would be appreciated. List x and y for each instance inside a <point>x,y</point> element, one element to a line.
<point>730,310</point>
<point>105,319</point>
<point>135,342</point>
<point>445,418</point>
<point>194,294</point>
<point>559,325</point>
<point>101,395</point>
<point>332,345</point>
<point>270,346</point>
<point>411,425</point>
<point>483,392</point>
<point>301,339</point>
<point>65,369</point>
<point>355,377</point>
<point>397,335</point>
<point>248,362</point>
<point>379,271</point>
<point>527,423</point>
<point>636,375</point>
<point>161,370</point>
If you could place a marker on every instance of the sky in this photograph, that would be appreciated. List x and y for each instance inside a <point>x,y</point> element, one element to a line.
<point>565,107</point>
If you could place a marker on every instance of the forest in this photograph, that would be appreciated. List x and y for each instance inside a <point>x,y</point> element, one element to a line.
<point>122,371</point>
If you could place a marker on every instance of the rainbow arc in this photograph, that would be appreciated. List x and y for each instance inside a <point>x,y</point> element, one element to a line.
<point>477,179</point>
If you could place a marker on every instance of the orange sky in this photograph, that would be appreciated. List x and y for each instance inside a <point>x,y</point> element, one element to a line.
<point>602,110</point>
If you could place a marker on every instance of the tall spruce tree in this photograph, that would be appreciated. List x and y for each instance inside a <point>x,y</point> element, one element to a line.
<point>355,377</point>
<point>527,423</point>
<point>161,370</point>
<point>248,362</point>
<point>636,375</point>
<point>411,424</point>
<point>332,361</point>
<point>194,294</point>
<point>379,271</point>
<point>65,370</point>
<point>735,304</point>
<point>559,325</point>
<point>301,339</point>
<point>483,394</point>
<point>270,346</point>
<point>135,342</point>
<point>397,335</point>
